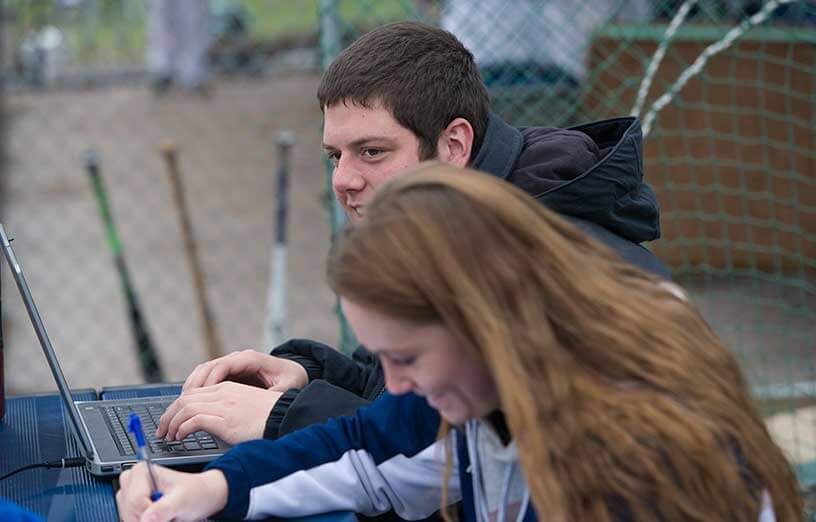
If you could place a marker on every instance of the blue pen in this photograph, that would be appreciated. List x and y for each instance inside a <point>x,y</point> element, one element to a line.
<point>135,427</point>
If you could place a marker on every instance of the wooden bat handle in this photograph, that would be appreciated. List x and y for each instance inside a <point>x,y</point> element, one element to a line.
<point>169,151</point>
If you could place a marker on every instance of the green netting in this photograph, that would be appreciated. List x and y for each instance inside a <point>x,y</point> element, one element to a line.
<point>731,155</point>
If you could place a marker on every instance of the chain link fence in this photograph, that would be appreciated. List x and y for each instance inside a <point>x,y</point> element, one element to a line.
<point>729,152</point>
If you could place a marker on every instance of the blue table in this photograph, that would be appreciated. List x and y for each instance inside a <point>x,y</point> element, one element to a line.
<point>35,429</point>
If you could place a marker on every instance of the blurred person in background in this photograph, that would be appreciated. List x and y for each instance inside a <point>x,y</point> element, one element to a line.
<point>572,385</point>
<point>401,94</point>
<point>532,54</point>
<point>178,35</point>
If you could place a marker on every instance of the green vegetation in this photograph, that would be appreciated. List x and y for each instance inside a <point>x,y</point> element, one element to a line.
<point>113,31</point>
<point>269,18</point>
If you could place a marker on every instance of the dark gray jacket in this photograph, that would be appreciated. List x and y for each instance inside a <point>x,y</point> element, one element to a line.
<point>592,174</point>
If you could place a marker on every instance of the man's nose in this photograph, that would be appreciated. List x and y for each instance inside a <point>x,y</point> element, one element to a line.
<point>346,179</point>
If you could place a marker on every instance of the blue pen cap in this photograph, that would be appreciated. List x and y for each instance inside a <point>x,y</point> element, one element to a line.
<point>135,427</point>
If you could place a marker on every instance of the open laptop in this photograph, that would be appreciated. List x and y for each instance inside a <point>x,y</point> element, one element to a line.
<point>100,427</point>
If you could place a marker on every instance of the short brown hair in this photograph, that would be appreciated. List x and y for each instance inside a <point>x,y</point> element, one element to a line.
<point>421,74</point>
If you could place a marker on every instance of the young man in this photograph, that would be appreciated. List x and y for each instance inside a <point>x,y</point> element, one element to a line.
<point>401,94</point>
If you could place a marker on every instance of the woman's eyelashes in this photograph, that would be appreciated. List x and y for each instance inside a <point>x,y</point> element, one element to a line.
<point>402,360</point>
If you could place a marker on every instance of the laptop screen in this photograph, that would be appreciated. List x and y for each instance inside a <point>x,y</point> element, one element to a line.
<point>50,355</point>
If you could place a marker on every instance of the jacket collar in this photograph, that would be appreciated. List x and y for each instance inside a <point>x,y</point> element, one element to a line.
<point>500,148</point>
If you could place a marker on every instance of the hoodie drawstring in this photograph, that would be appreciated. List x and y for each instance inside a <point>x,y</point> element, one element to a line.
<point>479,495</point>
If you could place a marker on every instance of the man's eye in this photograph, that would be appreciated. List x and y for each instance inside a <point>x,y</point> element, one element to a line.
<point>334,157</point>
<point>371,153</point>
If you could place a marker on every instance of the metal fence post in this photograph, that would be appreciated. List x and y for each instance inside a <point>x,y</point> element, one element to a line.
<point>330,47</point>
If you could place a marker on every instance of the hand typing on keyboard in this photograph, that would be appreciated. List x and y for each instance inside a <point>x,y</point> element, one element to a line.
<point>231,411</point>
<point>149,415</point>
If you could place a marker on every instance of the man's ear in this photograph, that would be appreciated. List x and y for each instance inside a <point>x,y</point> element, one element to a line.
<point>456,143</point>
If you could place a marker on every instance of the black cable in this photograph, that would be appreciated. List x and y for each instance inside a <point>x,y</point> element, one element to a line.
<point>69,462</point>
<point>18,470</point>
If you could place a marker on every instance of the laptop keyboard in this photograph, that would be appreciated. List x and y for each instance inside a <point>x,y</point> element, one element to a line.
<point>149,415</point>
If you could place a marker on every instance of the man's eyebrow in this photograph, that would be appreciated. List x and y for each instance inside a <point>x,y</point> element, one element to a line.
<point>359,142</point>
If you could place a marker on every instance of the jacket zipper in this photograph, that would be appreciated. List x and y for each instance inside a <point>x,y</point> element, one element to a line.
<point>380,392</point>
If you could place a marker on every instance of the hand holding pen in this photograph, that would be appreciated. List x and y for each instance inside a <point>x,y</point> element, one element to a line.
<point>135,427</point>
<point>186,496</point>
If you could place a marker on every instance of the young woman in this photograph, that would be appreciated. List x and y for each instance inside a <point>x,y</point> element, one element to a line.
<point>571,385</point>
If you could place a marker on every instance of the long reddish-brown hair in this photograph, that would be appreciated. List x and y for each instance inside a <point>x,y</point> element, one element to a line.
<point>619,396</point>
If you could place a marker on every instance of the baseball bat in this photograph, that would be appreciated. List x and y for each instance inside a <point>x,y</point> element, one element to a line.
<point>170,153</point>
<point>146,352</point>
<point>276,292</point>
